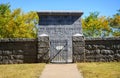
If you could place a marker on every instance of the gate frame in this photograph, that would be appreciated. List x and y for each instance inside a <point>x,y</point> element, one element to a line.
<point>59,51</point>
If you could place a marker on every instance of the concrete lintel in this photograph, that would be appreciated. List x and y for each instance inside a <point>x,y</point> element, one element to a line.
<point>74,13</point>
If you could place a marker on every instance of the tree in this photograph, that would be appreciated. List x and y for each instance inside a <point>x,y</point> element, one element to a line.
<point>94,26</point>
<point>4,13</point>
<point>16,24</point>
<point>4,8</point>
<point>114,22</point>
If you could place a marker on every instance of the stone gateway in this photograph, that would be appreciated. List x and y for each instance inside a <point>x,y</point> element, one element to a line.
<point>60,26</point>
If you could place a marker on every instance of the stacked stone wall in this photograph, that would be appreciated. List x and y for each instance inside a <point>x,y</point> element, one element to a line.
<point>18,51</point>
<point>96,49</point>
<point>14,51</point>
<point>78,48</point>
<point>102,49</point>
<point>43,49</point>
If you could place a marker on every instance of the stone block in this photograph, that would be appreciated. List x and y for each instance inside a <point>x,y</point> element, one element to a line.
<point>115,46</point>
<point>1,58</point>
<point>97,51</point>
<point>89,47</point>
<point>90,57</point>
<point>16,57</point>
<point>117,57</point>
<point>117,51</point>
<point>5,57</point>
<point>78,44</point>
<point>12,57</point>
<point>111,57</point>
<point>43,44</point>
<point>94,46</point>
<point>19,52</point>
<point>102,60</point>
<point>19,57</point>
<point>43,58</point>
<point>5,61</point>
<point>7,52</point>
<point>78,58</point>
<point>106,52</point>
<point>17,61</point>
<point>92,52</point>
<point>74,38</point>
<point>0,52</point>
<point>101,46</point>
<point>78,50</point>
<point>43,39</point>
<point>43,50</point>
<point>87,52</point>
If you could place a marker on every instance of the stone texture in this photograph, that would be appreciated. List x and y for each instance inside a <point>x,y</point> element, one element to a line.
<point>43,50</point>
<point>78,48</point>
<point>102,49</point>
<point>14,51</point>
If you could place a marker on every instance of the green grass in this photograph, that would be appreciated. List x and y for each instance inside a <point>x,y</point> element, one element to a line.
<point>21,70</point>
<point>100,70</point>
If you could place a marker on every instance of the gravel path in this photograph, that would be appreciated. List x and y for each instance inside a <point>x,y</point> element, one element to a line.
<point>61,71</point>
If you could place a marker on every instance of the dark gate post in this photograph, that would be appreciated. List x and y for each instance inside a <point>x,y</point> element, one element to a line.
<point>78,48</point>
<point>43,49</point>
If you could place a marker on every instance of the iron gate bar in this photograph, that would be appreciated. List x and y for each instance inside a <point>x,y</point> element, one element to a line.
<point>58,52</point>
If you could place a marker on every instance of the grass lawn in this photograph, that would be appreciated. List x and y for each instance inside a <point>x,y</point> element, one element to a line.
<point>100,70</point>
<point>21,70</point>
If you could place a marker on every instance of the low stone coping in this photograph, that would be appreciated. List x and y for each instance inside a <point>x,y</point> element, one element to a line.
<point>16,39</point>
<point>108,38</point>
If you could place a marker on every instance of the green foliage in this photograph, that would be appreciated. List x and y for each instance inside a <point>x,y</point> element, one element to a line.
<point>94,26</point>
<point>4,8</point>
<point>16,24</point>
<point>114,22</point>
<point>116,33</point>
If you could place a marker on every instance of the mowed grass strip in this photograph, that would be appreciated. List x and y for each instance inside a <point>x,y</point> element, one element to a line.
<point>100,70</point>
<point>21,70</point>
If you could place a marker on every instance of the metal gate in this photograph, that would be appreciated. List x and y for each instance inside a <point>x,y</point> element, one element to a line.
<point>58,51</point>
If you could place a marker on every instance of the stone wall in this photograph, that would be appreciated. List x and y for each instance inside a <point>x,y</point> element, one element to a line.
<point>102,49</point>
<point>43,49</point>
<point>14,51</point>
<point>96,49</point>
<point>18,51</point>
<point>78,48</point>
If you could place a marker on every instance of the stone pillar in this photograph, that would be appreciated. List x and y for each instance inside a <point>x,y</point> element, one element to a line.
<point>43,49</point>
<point>78,48</point>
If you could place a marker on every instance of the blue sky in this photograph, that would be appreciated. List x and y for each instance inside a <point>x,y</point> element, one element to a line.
<point>105,7</point>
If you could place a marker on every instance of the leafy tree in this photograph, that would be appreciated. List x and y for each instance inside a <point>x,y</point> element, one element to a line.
<point>94,26</point>
<point>115,23</point>
<point>4,8</point>
<point>4,13</point>
<point>16,24</point>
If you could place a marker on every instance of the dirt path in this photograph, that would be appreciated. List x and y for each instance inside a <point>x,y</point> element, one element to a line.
<point>61,71</point>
